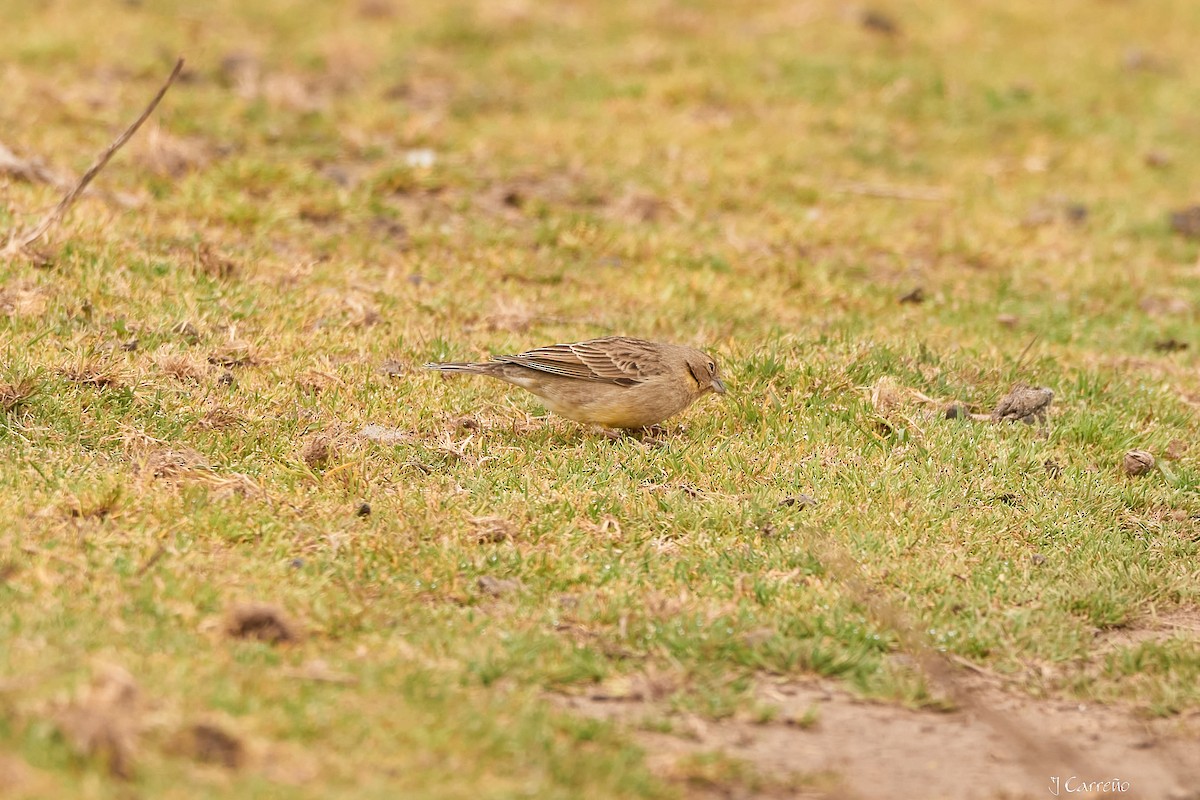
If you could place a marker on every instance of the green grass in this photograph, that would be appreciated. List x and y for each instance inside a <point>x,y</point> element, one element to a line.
<point>693,176</point>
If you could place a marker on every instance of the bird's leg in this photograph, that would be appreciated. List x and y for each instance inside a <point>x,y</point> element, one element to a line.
<point>651,435</point>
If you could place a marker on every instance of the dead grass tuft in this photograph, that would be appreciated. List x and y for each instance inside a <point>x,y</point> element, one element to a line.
<point>232,355</point>
<point>98,504</point>
<point>22,301</point>
<point>97,372</point>
<point>210,261</point>
<point>219,418</point>
<point>492,529</point>
<point>183,367</point>
<point>16,392</point>
<point>172,465</point>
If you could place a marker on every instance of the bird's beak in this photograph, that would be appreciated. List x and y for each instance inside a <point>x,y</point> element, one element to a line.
<point>718,386</point>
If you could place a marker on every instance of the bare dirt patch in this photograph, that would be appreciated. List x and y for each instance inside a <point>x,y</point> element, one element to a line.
<point>1179,623</point>
<point>877,750</point>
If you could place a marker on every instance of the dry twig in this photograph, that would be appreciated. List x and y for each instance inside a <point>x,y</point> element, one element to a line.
<point>33,170</point>
<point>18,243</point>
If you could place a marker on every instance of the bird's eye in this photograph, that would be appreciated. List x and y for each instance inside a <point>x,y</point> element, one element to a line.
<point>712,367</point>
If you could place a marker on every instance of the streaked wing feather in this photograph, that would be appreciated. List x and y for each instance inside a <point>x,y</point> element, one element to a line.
<point>616,359</point>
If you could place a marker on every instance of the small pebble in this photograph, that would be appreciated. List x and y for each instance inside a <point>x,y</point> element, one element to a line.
<point>1138,462</point>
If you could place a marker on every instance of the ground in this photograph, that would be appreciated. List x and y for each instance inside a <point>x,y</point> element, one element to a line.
<point>255,550</point>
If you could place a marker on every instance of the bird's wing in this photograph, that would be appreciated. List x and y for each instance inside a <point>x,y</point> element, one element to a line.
<point>616,359</point>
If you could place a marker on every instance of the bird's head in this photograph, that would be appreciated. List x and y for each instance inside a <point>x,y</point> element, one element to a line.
<point>704,370</point>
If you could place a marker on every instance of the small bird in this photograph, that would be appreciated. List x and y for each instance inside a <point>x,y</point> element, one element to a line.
<point>616,381</point>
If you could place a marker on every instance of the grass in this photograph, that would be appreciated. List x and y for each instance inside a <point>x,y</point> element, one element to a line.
<point>694,176</point>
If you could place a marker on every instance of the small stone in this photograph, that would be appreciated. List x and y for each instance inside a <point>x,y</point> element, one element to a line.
<point>1137,462</point>
<point>363,510</point>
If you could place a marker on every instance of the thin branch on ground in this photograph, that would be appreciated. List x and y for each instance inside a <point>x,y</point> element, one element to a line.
<point>16,244</point>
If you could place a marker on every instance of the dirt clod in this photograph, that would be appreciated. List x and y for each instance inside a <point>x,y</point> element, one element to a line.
<point>171,464</point>
<point>1137,462</point>
<point>1025,404</point>
<point>1186,222</point>
<point>319,451</point>
<point>210,743</point>
<point>801,500</point>
<point>1157,159</point>
<point>187,330</point>
<point>392,369</point>
<point>1171,345</point>
<point>913,296</point>
<point>262,621</point>
<point>102,720</point>
<point>879,22</point>
<point>363,510</point>
<point>492,529</point>
<point>496,587</point>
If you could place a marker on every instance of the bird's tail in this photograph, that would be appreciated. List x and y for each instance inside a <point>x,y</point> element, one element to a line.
<point>471,368</point>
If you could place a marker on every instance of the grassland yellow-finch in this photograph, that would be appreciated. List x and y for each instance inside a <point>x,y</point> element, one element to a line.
<point>616,382</point>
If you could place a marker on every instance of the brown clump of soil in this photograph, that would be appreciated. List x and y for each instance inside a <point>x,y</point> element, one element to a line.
<point>210,743</point>
<point>262,621</point>
<point>319,451</point>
